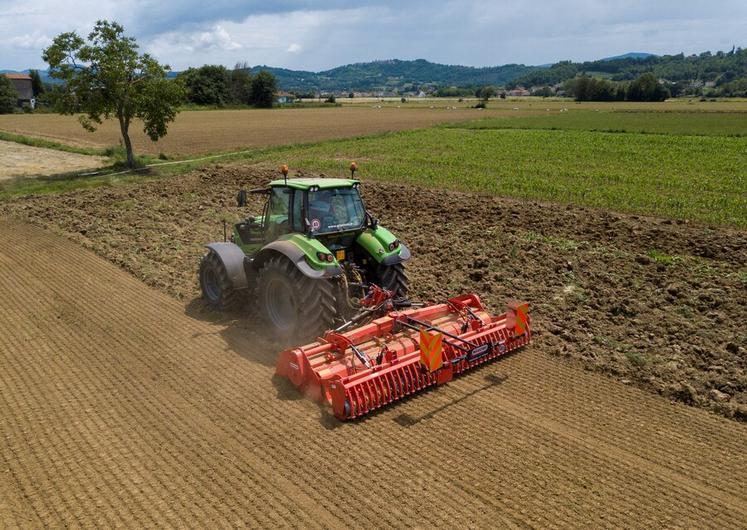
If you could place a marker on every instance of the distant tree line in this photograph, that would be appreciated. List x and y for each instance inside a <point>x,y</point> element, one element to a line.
<point>686,75</point>
<point>215,85</point>
<point>645,88</point>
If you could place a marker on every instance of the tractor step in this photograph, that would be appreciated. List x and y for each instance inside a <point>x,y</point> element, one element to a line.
<point>402,352</point>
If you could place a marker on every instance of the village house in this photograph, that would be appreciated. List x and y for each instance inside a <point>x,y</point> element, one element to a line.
<point>283,98</point>
<point>518,92</point>
<point>22,84</point>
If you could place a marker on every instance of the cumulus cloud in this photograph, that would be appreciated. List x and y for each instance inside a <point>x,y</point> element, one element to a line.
<point>315,35</point>
<point>31,41</point>
<point>213,39</point>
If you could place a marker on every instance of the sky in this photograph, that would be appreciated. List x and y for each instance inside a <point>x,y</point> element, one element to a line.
<point>313,35</point>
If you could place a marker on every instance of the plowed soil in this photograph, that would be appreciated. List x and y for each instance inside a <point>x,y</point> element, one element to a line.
<point>121,407</point>
<point>655,303</point>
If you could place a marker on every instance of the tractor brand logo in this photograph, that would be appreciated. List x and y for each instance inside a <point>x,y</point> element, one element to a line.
<point>431,347</point>
<point>522,320</point>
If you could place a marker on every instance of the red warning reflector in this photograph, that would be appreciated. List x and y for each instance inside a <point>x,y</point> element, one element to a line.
<point>518,317</point>
<point>431,348</point>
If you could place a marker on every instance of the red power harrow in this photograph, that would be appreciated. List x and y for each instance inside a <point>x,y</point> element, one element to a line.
<point>402,352</point>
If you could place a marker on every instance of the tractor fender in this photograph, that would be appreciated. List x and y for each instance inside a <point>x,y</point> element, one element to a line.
<point>297,257</point>
<point>376,241</point>
<point>232,258</point>
<point>393,259</point>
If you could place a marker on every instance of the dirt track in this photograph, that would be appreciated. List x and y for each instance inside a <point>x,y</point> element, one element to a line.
<point>122,408</point>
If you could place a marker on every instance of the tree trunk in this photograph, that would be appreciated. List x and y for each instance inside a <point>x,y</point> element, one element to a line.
<point>124,127</point>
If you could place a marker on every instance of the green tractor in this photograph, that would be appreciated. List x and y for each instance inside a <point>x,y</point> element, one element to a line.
<point>307,262</point>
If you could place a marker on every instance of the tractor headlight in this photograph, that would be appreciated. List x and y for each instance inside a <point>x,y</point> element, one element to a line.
<point>394,244</point>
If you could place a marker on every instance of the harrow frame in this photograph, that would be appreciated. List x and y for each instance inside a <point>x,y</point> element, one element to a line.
<point>391,357</point>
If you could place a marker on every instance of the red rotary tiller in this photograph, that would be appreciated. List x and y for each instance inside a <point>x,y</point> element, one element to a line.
<point>363,366</point>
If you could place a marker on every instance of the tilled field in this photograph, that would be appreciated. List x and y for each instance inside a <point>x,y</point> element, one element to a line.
<point>121,407</point>
<point>656,303</point>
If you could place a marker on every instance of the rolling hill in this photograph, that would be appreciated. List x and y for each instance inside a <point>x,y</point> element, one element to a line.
<point>394,75</point>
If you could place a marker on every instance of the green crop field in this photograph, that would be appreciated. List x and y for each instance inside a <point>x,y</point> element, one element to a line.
<point>686,123</point>
<point>689,177</point>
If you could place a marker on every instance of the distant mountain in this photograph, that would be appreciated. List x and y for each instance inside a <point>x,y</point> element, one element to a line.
<point>393,75</point>
<point>629,55</point>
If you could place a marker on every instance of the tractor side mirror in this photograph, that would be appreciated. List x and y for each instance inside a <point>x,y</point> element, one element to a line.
<point>374,222</point>
<point>241,198</point>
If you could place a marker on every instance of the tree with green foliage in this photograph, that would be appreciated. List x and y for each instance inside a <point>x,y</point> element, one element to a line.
<point>241,84</point>
<point>36,83</point>
<point>581,88</point>
<point>453,92</point>
<point>106,77</point>
<point>735,88</point>
<point>207,85</point>
<point>647,88</point>
<point>264,87</point>
<point>544,92</point>
<point>8,95</point>
<point>485,92</point>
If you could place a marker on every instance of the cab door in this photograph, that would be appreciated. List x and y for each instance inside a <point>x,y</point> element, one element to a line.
<point>277,216</point>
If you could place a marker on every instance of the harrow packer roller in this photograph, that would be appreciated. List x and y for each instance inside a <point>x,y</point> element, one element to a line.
<point>402,352</point>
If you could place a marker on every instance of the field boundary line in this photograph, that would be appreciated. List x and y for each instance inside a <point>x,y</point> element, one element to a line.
<point>170,163</point>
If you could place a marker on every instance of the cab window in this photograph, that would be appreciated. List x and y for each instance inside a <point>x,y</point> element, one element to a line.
<point>298,224</point>
<point>336,210</point>
<point>277,213</point>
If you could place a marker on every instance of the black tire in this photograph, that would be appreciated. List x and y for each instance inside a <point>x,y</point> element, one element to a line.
<point>293,306</point>
<point>215,285</point>
<point>393,278</point>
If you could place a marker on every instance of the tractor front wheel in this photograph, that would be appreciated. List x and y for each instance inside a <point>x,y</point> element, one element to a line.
<point>215,284</point>
<point>294,306</point>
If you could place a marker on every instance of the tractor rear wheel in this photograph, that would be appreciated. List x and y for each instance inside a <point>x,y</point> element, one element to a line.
<point>393,278</point>
<point>215,284</point>
<point>292,305</point>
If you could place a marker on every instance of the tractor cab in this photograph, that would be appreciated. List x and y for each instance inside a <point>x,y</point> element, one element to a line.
<point>317,208</point>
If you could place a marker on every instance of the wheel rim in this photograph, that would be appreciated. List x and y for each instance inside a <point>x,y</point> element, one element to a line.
<point>279,303</point>
<point>210,284</point>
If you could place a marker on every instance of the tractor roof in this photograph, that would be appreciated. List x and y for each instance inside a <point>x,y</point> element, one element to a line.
<point>321,183</point>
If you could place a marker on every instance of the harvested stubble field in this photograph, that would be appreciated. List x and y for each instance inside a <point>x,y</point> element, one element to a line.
<point>125,406</point>
<point>196,132</point>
